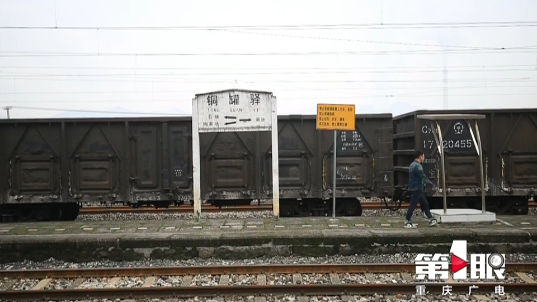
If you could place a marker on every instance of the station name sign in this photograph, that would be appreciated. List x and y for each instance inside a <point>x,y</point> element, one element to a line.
<point>234,110</point>
<point>336,117</point>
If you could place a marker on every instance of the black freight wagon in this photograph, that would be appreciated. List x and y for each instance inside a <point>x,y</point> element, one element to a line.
<point>51,167</point>
<point>237,165</point>
<point>509,142</point>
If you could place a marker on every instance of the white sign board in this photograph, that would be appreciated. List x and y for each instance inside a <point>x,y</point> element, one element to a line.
<point>234,110</point>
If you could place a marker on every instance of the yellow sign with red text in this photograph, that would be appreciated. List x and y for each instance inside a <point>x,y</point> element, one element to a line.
<point>335,117</point>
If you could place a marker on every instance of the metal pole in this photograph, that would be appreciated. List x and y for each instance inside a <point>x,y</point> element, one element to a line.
<point>442,166</point>
<point>481,168</point>
<point>275,160</point>
<point>196,161</point>
<point>334,178</point>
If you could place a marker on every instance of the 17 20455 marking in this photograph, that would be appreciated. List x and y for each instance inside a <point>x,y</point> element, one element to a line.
<point>450,144</point>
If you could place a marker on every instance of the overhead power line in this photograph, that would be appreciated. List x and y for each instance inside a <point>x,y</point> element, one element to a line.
<point>7,54</point>
<point>388,96</point>
<point>319,72</point>
<point>257,81</point>
<point>96,111</point>
<point>291,26</point>
<point>480,67</point>
<point>368,41</point>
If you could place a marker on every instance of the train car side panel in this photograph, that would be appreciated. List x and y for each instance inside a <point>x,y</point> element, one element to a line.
<point>32,162</point>
<point>297,156</point>
<point>463,177</point>
<point>360,162</point>
<point>146,162</point>
<point>96,156</point>
<point>514,164</point>
<point>228,166</point>
<point>177,144</point>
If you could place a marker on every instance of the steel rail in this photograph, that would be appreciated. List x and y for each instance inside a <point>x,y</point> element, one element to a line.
<point>306,289</point>
<point>190,209</point>
<point>172,209</point>
<point>231,269</point>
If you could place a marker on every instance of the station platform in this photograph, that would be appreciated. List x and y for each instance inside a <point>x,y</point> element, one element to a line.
<point>247,238</point>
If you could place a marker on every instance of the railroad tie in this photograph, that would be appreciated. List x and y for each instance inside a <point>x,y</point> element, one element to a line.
<point>261,279</point>
<point>334,278</point>
<point>77,283</point>
<point>524,277</point>
<point>8,284</point>
<point>260,299</point>
<point>302,299</point>
<point>224,280</point>
<point>42,284</point>
<point>407,277</point>
<point>297,278</point>
<point>186,281</point>
<point>149,281</point>
<point>112,282</point>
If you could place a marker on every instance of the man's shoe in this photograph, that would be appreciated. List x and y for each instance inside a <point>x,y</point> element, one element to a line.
<point>409,225</point>
<point>433,222</point>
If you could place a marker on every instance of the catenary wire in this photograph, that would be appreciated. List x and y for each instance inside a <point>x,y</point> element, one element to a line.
<point>291,26</point>
<point>9,54</point>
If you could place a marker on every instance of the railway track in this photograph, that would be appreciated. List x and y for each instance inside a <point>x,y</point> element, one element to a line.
<point>190,209</point>
<point>337,281</point>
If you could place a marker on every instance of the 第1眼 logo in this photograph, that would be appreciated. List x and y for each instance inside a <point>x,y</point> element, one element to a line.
<point>482,266</point>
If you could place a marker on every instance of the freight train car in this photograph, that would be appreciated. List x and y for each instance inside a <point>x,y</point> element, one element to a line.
<point>237,165</point>
<point>509,142</point>
<point>50,168</point>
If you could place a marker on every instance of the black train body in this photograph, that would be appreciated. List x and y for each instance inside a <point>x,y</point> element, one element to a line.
<point>50,168</point>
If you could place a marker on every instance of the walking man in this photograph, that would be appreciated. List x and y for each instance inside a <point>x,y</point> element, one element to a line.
<point>417,182</point>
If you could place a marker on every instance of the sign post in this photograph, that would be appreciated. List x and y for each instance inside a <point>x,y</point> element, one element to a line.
<point>234,110</point>
<point>335,117</point>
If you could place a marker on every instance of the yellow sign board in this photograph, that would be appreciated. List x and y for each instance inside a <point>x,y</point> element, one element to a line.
<point>335,117</point>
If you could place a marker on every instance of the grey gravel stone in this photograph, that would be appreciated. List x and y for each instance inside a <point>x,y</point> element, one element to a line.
<point>336,259</point>
<point>174,216</point>
<point>522,297</point>
<point>231,215</point>
<point>25,284</point>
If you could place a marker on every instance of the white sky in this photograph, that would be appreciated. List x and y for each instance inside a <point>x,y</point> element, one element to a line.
<point>390,76</point>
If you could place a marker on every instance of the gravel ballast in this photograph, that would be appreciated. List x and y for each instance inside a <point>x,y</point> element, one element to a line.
<point>523,297</point>
<point>230,215</point>
<point>291,260</point>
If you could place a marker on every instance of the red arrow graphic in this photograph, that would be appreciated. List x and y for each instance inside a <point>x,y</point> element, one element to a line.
<point>457,264</point>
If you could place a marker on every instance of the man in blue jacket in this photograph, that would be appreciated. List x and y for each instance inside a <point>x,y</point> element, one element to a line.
<point>417,182</point>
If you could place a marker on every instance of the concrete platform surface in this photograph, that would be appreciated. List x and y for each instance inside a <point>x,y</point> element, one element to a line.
<point>246,238</point>
<point>463,215</point>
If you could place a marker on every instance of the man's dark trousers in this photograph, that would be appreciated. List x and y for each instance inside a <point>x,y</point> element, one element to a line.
<point>415,197</point>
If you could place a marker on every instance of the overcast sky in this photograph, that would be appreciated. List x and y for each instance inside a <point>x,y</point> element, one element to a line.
<point>381,67</point>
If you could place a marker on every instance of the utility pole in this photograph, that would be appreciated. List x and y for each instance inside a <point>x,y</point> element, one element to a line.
<point>7,108</point>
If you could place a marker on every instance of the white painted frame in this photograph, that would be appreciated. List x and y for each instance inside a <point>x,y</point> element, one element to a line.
<point>196,160</point>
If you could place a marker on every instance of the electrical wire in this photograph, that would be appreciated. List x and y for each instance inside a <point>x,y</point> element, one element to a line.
<point>322,72</point>
<point>96,111</point>
<point>11,54</point>
<point>448,25</point>
<point>368,41</point>
<point>449,68</point>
